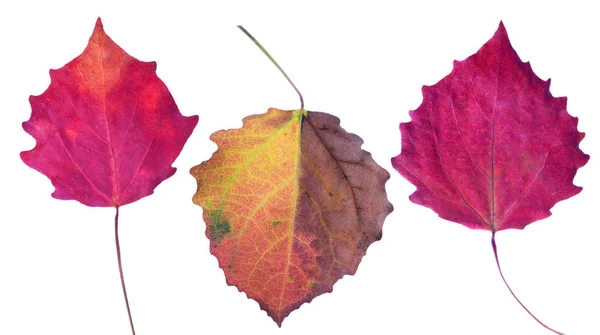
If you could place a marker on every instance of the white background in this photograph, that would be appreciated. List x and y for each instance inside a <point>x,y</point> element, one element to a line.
<point>364,63</point>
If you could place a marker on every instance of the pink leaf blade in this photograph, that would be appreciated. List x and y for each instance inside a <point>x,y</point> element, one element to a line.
<point>490,147</point>
<point>107,129</point>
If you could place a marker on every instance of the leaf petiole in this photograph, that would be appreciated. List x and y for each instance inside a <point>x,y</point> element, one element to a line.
<point>121,269</point>
<point>274,63</point>
<point>511,291</point>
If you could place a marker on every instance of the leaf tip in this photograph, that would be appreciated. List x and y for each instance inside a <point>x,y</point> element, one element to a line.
<point>501,31</point>
<point>98,32</point>
<point>51,73</point>
<point>501,28</point>
<point>426,91</point>
<point>99,24</point>
<point>98,29</point>
<point>23,154</point>
<point>194,119</point>
<point>586,158</point>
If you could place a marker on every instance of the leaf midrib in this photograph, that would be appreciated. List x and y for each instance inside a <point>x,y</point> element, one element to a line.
<point>110,141</point>
<point>291,230</point>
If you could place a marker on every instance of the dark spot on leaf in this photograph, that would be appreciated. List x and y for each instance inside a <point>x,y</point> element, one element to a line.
<point>330,194</point>
<point>219,230</point>
<point>276,223</point>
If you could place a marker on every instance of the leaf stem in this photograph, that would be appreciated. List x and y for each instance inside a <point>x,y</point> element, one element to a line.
<point>274,63</point>
<point>511,291</point>
<point>121,270</point>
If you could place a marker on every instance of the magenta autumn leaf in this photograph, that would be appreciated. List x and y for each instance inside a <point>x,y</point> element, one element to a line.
<point>107,130</point>
<point>490,147</point>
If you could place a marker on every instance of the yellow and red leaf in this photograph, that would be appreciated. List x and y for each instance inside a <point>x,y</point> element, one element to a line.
<point>291,203</point>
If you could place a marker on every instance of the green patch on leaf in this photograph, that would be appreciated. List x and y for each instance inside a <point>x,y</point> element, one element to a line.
<point>218,230</point>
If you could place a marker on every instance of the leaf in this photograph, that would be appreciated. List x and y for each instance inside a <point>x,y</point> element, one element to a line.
<point>490,147</point>
<point>107,129</point>
<point>291,204</point>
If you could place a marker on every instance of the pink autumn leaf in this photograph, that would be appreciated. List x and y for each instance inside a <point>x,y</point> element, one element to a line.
<point>490,147</point>
<point>107,130</point>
